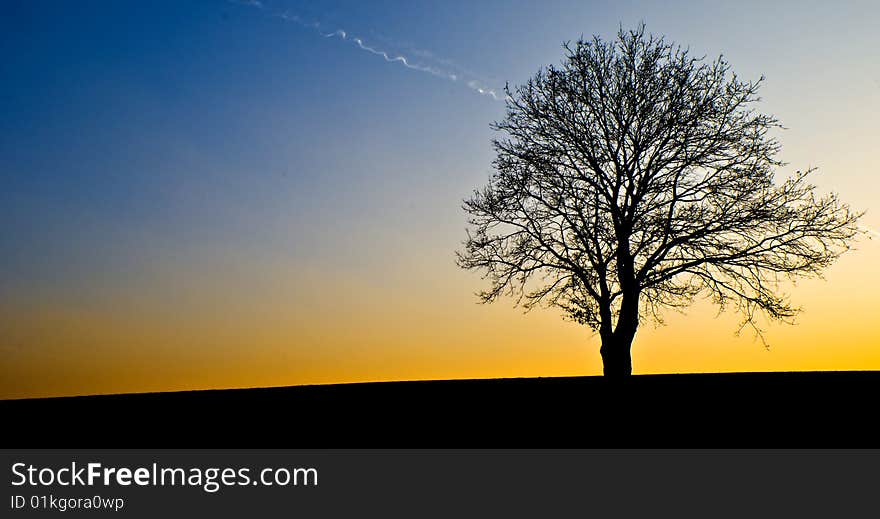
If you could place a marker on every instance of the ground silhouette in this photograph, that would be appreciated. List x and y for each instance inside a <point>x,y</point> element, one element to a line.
<point>761,410</point>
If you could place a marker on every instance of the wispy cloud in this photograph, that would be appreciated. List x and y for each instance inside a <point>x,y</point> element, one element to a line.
<point>441,68</point>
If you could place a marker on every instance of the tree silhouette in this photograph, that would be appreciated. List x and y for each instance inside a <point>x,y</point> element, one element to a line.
<point>635,177</point>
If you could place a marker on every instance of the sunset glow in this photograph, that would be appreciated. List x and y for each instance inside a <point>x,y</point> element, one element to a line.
<point>207,196</point>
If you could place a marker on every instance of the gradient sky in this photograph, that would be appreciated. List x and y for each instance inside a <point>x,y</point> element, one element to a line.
<point>203,194</point>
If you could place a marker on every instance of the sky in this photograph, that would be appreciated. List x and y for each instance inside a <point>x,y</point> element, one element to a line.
<point>219,194</point>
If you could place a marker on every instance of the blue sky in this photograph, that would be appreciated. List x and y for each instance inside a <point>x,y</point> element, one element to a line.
<point>143,120</point>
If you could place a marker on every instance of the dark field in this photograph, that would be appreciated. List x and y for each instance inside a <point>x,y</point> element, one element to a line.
<point>763,410</point>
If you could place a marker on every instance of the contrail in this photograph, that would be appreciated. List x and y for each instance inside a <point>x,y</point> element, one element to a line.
<point>471,82</point>
<point>399,58</point>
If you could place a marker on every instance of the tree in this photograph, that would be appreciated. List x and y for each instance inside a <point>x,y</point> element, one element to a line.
<point>635,177</point>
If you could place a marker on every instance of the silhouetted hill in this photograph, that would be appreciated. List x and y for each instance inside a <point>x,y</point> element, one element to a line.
<point>817,409</point>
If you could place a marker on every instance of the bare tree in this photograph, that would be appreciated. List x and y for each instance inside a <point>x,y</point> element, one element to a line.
<point>635,177</point>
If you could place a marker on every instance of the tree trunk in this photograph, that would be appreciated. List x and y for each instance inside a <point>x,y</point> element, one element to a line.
<point>616,357</point>
<point>616,347</point>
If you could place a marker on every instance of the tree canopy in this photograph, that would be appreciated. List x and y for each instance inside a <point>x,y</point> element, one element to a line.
<point>635,177</point>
